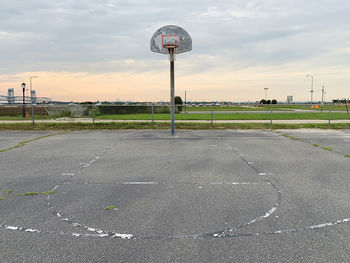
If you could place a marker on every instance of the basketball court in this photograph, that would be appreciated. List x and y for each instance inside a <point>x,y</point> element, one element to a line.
<point>198,196</point>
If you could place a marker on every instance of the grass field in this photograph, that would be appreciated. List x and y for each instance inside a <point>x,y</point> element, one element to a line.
<point>207,116</point>
<point>279,107</point>
<point>145,125</point>
<point>37,117</point>
<point>232,108</point>
<point>229,116</point>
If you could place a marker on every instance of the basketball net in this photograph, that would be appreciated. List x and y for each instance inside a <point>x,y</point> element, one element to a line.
<point>172,51</point>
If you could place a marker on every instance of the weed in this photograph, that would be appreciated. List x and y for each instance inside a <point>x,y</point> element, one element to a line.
<point>327,148</point>
<point>110,207</point>
<point>290,137</point>
<point>293,138</point>
<point>316,145</point>
<point>347,155</point>
<point>21,144</point>
<point>7,191</point>
<point>1,198</point>
<point>29,193</point>
<point>48,193</point>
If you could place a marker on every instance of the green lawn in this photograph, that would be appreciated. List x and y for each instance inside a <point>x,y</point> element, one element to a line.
<point>229,116</point>
<point>16,118</point>
<point>187,126</point>
<point>231,108</point>
<point>280,107</point>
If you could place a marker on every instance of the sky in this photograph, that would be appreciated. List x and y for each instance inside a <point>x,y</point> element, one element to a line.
<point>100,49</point>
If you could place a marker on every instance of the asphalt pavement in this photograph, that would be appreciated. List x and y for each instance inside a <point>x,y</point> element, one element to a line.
<point>199,196</point>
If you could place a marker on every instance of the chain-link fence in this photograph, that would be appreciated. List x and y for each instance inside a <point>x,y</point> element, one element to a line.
<point>184,113</point>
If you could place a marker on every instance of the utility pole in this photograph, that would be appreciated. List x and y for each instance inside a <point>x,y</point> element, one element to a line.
<point>312,87</point>
<point>31,97</point>
<point>23,106</point>
<point>31,90</point>
<point>323,92</point>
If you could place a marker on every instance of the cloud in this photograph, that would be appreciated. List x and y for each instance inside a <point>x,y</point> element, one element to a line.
<point>36,32</point>
<point>112,36</point>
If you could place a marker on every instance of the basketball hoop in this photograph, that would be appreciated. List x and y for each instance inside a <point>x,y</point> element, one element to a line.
<point>171,40</point>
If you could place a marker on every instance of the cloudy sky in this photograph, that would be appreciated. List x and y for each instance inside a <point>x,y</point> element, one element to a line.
<point>99,49</point>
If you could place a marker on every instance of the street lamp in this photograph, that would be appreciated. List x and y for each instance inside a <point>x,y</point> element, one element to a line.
<point>23,106</point>
<point>323,92</point>
<point>31,91</point>
<point>312,86</point>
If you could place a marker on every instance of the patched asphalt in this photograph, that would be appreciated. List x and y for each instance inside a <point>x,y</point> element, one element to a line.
<point>200,196</point>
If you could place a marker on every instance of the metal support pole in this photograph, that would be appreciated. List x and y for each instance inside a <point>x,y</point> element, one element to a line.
<point>312,89</point>
<point>185,102</point>
<point>329,118</point>
<point>322,98</point>
<point>212,114</point>
<point>152,116</point>
<point>271,115</point>
<point>93,115</point>
<point>23,107</point>
<point>32,113</point>
<point>172,100</point>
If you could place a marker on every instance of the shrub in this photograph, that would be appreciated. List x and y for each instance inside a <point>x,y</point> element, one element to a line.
<point>178,101</point>
<point>130,109</point>
<point>263,101</point>
<point>274,101</point>
<point>66,113</point>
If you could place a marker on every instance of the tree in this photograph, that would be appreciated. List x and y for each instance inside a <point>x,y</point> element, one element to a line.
<point>268,102</point>
<point>274,101</point>
<point>178,101</point>
<point>263,101</point>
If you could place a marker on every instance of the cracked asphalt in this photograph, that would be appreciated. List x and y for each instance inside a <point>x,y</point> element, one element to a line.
<point>200,196</point>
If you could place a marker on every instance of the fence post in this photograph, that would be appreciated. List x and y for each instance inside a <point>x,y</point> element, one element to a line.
<point>329,118</point>
<point>212,114</point>
<point>32,113</point>
<point>93,115</point>
<point>152,116</point>
<point>271,115</point>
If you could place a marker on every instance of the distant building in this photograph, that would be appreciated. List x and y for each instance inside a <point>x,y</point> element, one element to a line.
<point>289,99</point>
<point>342,101</point>
<point>11,96</point>
<point>33,96</point>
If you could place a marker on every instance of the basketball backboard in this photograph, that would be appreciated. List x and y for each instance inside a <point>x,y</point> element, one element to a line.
<point>171,36</point>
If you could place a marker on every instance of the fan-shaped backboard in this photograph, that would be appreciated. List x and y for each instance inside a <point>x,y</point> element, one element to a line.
<point>171,35</point>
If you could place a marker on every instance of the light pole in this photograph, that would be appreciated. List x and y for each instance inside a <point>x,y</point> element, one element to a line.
<point>266,89</point>
<point>31,91</point>
<point>31,97</point>
<point>23,106</point>
<point>312,86</point>
<point>323,92</point>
